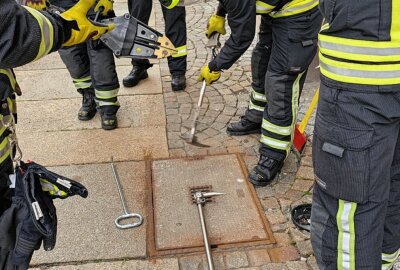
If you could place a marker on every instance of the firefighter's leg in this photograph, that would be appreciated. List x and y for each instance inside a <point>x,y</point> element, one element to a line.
<point>251,121</point>
<point>353,150</point>
<point>293,48</point>
<point>175,30</point>
<point>76,59</point>
<point>106,85</point>
<point>141,10</point>
<point>391,236</point>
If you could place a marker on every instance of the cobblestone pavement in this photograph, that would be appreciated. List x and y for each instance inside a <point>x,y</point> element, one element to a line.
<point>226,101</point>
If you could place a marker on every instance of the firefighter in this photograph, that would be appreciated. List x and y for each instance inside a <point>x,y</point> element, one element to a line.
<point>241,20</point>
<point>175,29</point>
<point>355,219</point>
<point>286,47</point>
<point>92,68</point>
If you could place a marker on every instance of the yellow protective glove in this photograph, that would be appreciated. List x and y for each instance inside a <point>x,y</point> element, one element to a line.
<point>216,24</point>
<point>107,5</point>
<point>87,29</point>
<point>37,4</point>
<point>208,75</point>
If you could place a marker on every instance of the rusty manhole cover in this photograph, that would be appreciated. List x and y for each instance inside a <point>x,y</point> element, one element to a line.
<point>233,219</point>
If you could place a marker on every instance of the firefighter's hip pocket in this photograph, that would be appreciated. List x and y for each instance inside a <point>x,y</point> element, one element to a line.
<point>341,160</point>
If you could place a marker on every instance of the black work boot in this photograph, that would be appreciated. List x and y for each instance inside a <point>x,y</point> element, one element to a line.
<point>243,127</point>
<point>265,171</point>
<point>178,82</point>
<point>135,76</point>
<point>88,109</point>
<point>108,117</point>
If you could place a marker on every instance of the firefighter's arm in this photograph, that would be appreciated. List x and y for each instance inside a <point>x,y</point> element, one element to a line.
<point>242,21</point>
<point>27,34</point>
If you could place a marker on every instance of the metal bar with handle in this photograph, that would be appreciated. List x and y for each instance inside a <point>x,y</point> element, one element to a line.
<point>126,214</point>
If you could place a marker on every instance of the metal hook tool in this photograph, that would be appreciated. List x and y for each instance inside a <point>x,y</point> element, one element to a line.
<point>191,138</point>
<point>126,215</point>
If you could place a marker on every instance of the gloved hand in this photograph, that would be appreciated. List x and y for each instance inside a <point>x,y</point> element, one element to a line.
<point>216,24</point>
<point>37,4</point>
<point>86,29</point>
<point>208,75</point>
<point>107,6</point>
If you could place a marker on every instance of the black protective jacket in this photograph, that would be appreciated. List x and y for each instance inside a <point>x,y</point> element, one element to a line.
<point>242,21</point>
<point>21,35</point>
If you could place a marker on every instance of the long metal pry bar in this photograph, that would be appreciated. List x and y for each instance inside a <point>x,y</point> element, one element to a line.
<point>201,198</point>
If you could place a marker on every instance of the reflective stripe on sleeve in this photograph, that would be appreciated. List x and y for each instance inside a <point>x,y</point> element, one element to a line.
<point>46,30</point>
<point>5,149</point>
<point>346,236</point>
<point>181,51</point>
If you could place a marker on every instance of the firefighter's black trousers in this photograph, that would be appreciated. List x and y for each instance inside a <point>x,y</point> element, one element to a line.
<point>355,220</point>
<point>175,30</point>
<point>280,60</point>
<point>91,65</point>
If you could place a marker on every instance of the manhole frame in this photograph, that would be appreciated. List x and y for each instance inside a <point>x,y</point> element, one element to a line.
<point>152,250</point>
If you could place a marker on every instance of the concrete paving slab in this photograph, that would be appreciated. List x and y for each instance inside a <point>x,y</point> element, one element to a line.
<point>149,86</point>
<point>158,264</point>
<point>232,218</point>
<point>86,229</point>
<point>57,84</point>
<point>94,146</point>
<point>53,115</point>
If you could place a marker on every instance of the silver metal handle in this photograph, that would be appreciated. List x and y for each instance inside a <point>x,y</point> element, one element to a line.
<point>128,225</point>
<point>205,238</point>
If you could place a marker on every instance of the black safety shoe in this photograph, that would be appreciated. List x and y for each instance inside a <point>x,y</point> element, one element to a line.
<point>243,127</point>
<point>88,109</point>
<point>265,171</point>
<point>108,121</point>
<point>178,82</point>
<point>135,76</point>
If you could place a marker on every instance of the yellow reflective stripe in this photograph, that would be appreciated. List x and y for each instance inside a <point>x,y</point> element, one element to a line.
<point>285,131</point>
<point>51,188</point>
<point>357,50</point>
<point>106,103</point>
<point>10,76</point>
<point>84,79</point>
<point>181,51</point>
<point>12,105</point>
<point>46,30</point>
<point>104,94</point>
<point>5,149</point>
<point>295,105</point>
<point>325,26</point>
<point>274,143</point>
<point>395,26</point>
<point>295,7</point>
<point>346,235</point>
<point>258,96</point>
<point>391,257</point>
<point>83,85</point>
<point>263,8</point>
<point>360,73</point>
<point>173,4</point>
<point>253,106</point>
